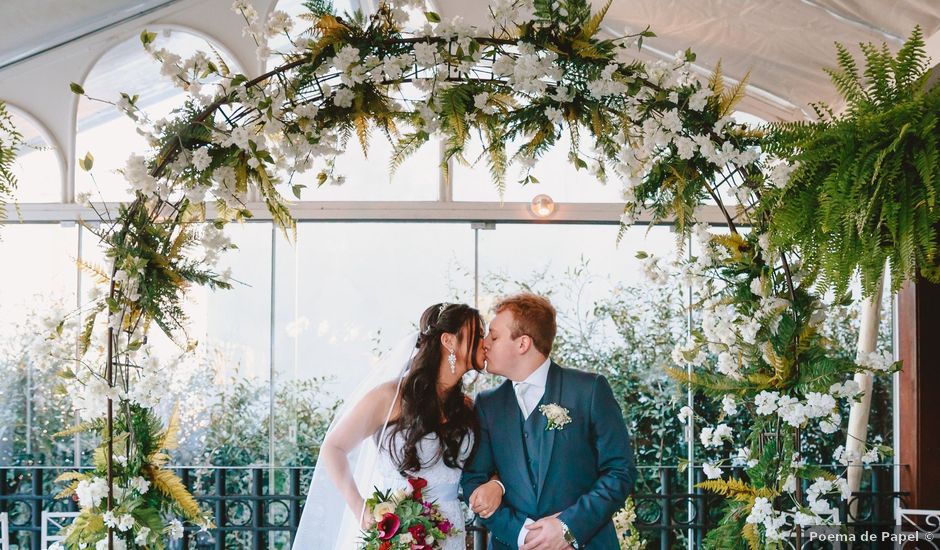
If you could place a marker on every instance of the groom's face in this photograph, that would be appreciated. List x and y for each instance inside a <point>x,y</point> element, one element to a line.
<point>501,350</point>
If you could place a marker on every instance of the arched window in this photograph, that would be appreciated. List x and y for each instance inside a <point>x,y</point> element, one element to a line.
<point>38,166</point>
<point>106,132</point>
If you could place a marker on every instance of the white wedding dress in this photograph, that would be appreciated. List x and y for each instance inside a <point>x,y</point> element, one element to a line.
<point>328,524</point>
<point>443,483</point>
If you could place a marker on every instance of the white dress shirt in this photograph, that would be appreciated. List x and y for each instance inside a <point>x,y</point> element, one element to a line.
<point>528,394</point>
<point>530,391</point>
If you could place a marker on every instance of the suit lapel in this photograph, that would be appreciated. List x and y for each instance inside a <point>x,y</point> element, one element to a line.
<point>513,441</point>
<point>552,395</point>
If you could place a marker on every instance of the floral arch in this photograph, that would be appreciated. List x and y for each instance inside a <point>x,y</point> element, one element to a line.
<point>543,69</point>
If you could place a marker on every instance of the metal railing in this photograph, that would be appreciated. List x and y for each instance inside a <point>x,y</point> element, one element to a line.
<point>259,508</point>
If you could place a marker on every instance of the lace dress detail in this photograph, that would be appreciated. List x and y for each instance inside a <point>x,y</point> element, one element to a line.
<point>443,482</point>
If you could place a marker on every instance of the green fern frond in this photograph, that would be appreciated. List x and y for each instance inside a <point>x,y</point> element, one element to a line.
<point>594,23</point>
<point>865,190</point>
<point>10,141</point>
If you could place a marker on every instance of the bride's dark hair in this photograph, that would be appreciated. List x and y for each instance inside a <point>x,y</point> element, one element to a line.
<point>423,410</point>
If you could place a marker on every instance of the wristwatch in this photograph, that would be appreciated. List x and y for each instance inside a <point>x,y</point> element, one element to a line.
<point>569,537</point>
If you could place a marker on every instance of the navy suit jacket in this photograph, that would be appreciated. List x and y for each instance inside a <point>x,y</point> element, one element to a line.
<point>586,469</point>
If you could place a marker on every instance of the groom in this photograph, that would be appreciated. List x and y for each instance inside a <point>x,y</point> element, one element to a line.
<point>555,436</point>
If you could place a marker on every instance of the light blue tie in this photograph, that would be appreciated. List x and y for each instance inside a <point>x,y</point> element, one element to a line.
<point>522,390</point>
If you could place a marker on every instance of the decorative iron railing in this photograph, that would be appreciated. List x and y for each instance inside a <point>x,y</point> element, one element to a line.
<point>259,508</point>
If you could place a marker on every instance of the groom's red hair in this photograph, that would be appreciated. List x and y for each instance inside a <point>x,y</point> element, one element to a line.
<point>533,315</point>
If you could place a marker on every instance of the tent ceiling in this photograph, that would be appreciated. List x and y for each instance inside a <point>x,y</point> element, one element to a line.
<point>782,43</point>
<point>27,28</point>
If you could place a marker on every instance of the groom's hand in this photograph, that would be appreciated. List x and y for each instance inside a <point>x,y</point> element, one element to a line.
<point>486,499</point>
<point>546,534</point>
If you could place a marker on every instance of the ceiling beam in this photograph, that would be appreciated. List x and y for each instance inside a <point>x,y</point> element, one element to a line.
<point>390,211</point>
<point>860,23</point>
<point>70,41</point>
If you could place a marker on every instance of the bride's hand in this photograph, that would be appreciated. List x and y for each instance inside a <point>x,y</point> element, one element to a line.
<point>367,520</point>
<point>486,499</point>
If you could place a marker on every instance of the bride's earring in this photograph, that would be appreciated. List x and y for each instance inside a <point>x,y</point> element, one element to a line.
<point>452,360</point>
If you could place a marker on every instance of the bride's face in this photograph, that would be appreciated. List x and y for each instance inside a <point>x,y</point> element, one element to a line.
<point>464,353</point>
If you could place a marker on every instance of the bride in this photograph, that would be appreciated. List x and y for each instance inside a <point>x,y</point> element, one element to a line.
<point>418,422</point>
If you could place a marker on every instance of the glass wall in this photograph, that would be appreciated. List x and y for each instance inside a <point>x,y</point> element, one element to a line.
<point>38,289</point>
<point>306,319</point>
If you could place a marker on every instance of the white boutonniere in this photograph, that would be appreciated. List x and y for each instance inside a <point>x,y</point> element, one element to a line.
<point>557,416</point>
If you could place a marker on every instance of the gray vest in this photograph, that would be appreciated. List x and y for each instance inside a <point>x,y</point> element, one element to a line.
<point>533,431</point>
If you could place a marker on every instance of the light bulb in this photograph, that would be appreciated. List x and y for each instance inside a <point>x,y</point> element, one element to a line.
<point>542,206</point>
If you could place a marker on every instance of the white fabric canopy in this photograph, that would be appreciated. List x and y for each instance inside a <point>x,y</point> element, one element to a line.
<point>45,44</point>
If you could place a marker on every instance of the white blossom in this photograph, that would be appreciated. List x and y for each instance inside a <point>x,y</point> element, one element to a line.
<point>138,175</point>
<point>480,101</point>
<point>699,99</point>
<point>819,404</point>
<point>140,484</point>
<point>766,402</point>
<point>830,425</point>
<point>653,272</point>
<point>279,22</point>
<point>728,405</point>
<point>346,57</point>
<point>728,365</point>
<point>201,159</point>
<point>714,437</point>
<point>791,410</point>
<point>711,471</point>
<point>779,174</point>
<point>845,456</point>
<point>874,361</point>
<point>124,522</point>
<point>759,511</point>
<point>90,493</point>
<point>842,485</point>
<point>425,54</point>
<point>685,147</point>
<point>743,458</point>
<point>789,486</point>
<point>554,115</point>
<point>344,97</point>
<point>175,529</point>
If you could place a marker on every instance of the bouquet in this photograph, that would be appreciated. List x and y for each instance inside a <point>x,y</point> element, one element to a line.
<point>404,521</point>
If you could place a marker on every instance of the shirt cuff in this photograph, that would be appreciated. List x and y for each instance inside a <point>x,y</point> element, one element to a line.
<point>523,532</point>
<point>501,486</point>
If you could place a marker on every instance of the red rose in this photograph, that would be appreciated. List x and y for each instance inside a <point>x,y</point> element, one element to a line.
<point>417,484</point>
<point>385,545</point>
<point>388,526</point>
<point>445,526</point>
<point>418,532</point>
